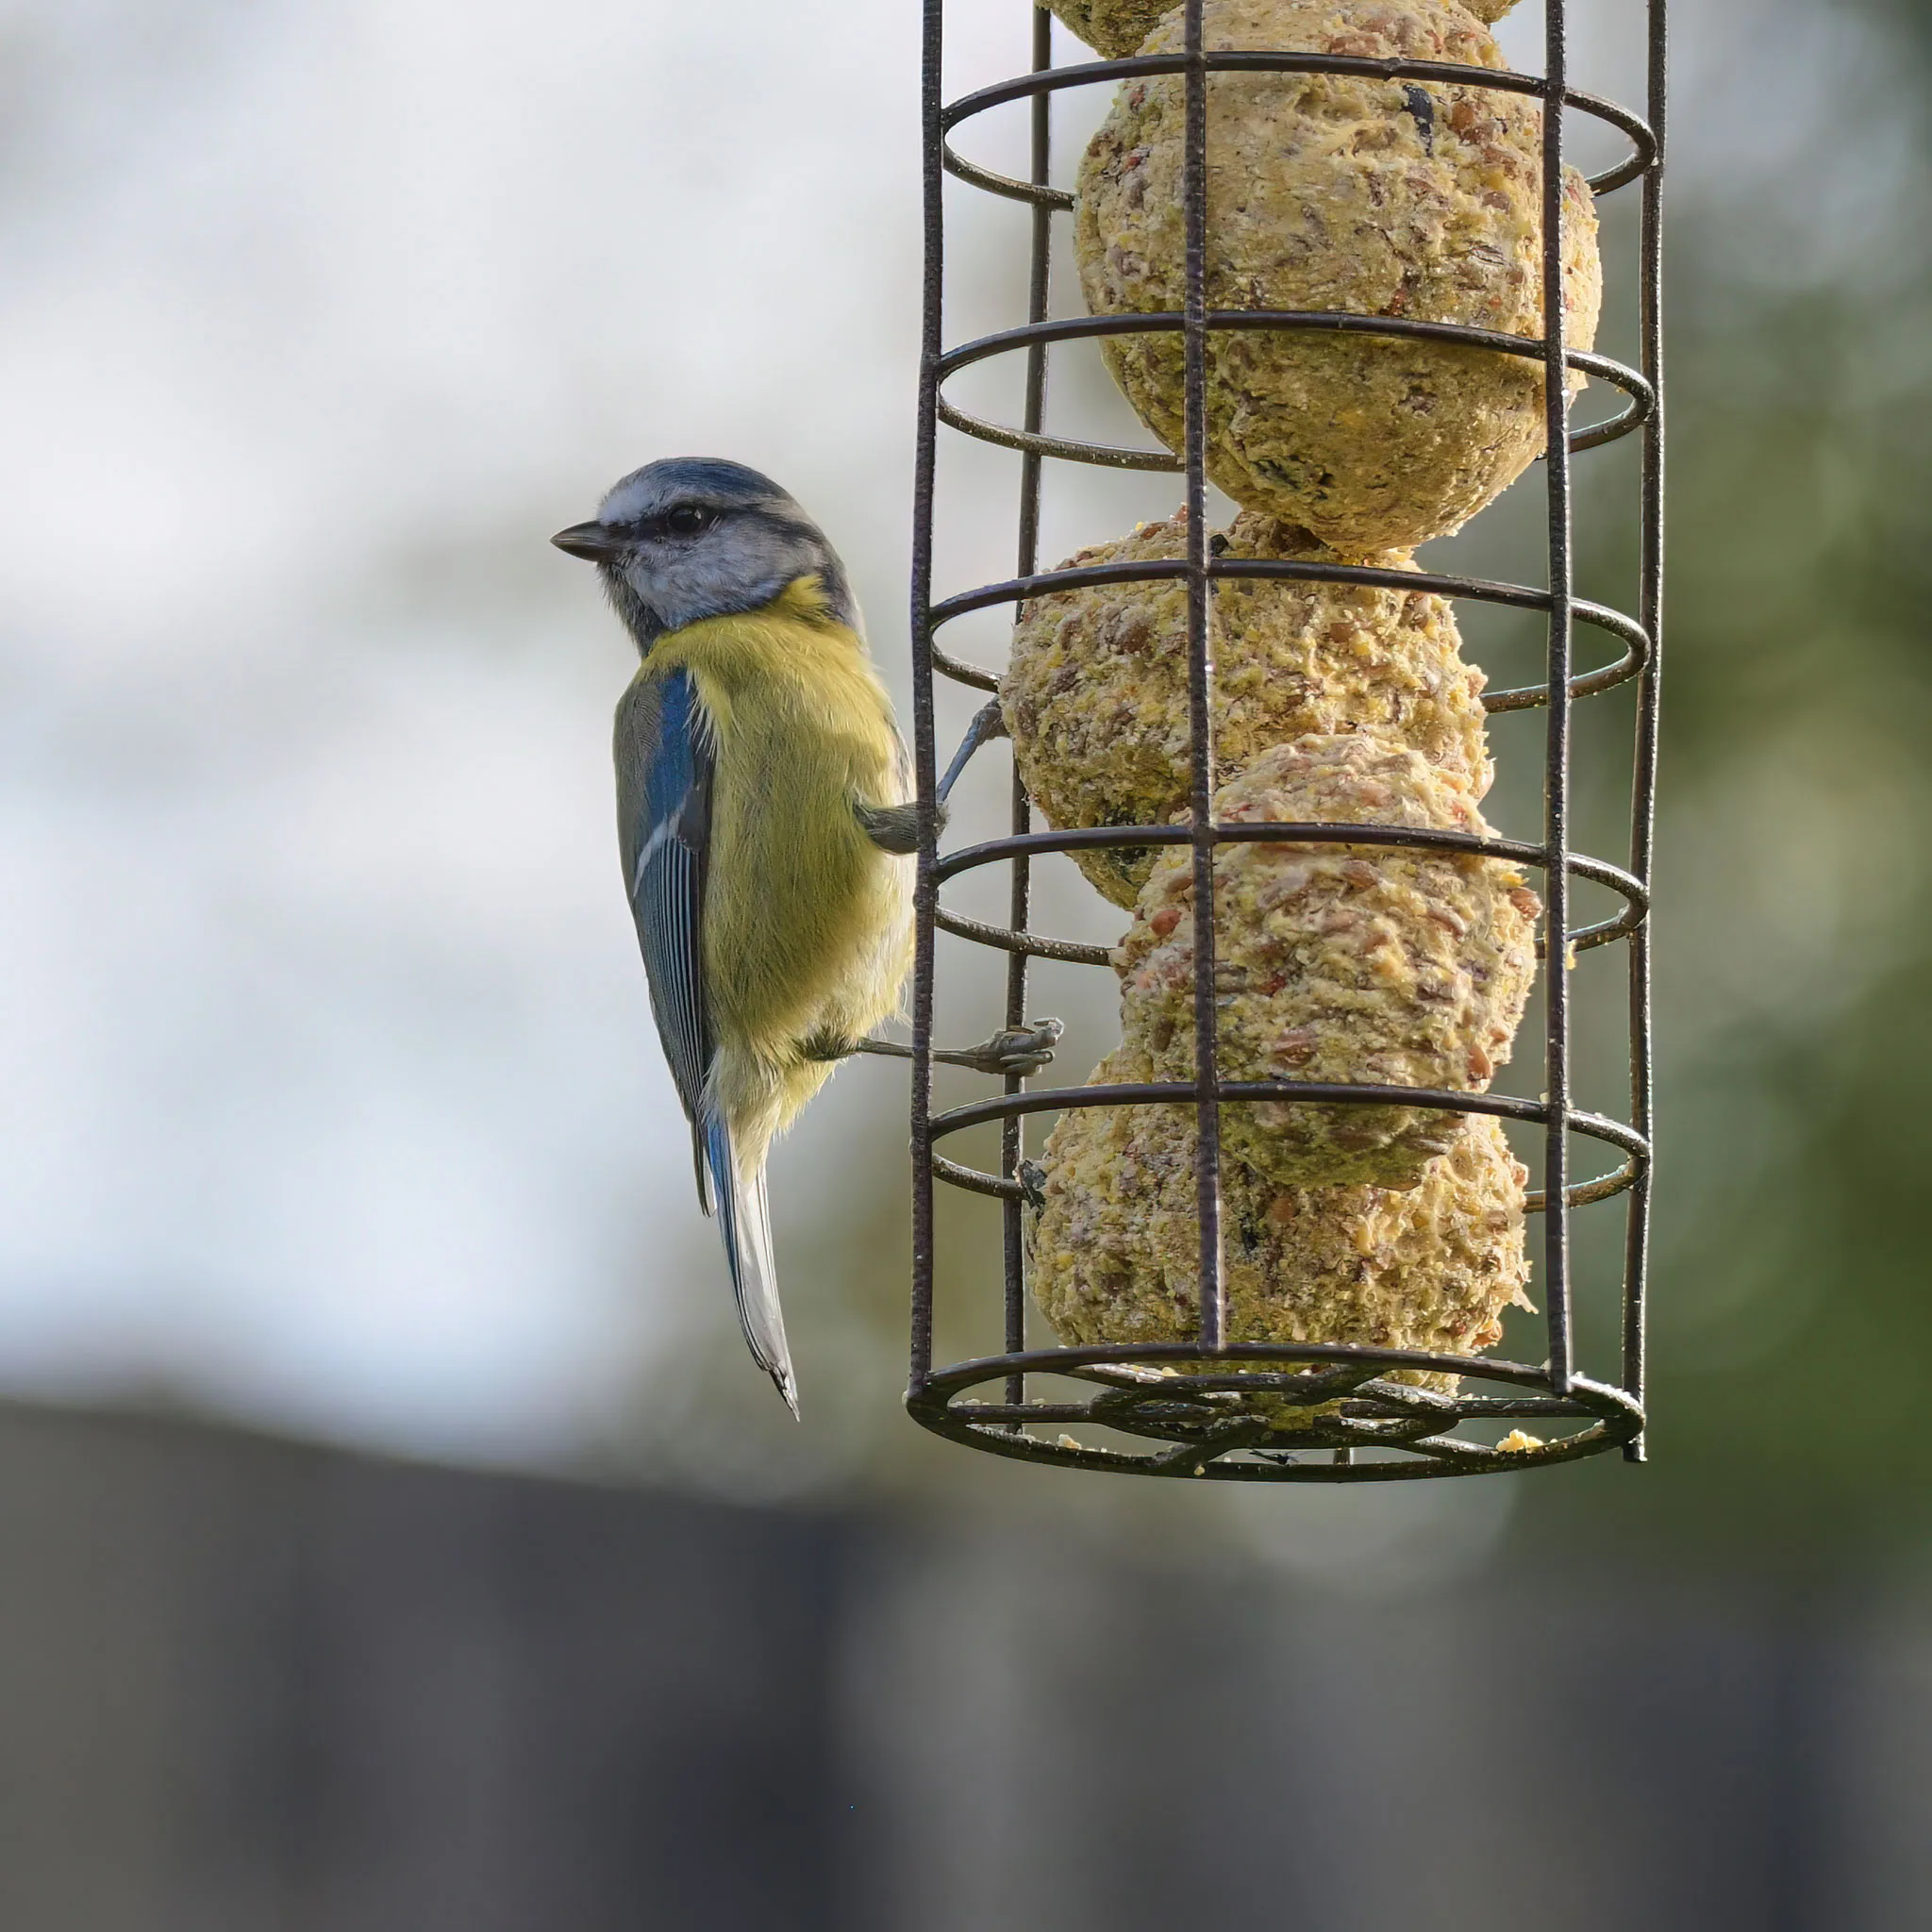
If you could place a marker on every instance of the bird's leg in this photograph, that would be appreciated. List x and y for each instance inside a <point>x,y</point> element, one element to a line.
<point>894,828</point>
<point>1014,1050</point>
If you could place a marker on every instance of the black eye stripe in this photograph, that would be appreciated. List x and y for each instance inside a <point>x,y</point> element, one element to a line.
<point>681,520</point>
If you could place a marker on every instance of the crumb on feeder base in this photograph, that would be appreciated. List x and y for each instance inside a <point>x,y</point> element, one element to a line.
<point>1095,694</point>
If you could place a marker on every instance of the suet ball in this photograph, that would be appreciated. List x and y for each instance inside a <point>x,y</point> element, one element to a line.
<point>1376,964</point>
<point>1095,694</point>
<point>1334,191</point>
<point>1113,28</point>
<point>1115,1247</point>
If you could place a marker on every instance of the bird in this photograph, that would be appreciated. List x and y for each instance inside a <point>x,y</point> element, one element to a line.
<point>764,819</point>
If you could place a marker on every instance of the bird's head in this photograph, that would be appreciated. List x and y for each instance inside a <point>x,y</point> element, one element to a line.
<point>693,537</point>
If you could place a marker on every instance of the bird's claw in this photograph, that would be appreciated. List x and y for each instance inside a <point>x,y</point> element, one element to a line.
<point>1015,1050</point>
<point>1032,1179</point>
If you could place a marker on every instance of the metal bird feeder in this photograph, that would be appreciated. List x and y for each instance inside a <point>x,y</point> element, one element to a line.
<point>1154,1407</point>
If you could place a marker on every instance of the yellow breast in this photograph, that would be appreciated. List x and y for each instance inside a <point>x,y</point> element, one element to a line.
<point>798,899</point>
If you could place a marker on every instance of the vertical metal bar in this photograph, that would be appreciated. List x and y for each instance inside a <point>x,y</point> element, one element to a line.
<point>1038,290</point>
<point>1012,1132</point>
<point>1650,614</point>
<point>925,894</point>
<point>1201,691</point>
<point>1557,749</point>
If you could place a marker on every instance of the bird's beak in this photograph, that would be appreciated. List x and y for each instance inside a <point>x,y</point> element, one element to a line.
<point>590,541</point>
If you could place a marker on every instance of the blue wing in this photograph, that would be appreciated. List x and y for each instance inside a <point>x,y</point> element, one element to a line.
<point>664,778</point>
<point>665,773</point>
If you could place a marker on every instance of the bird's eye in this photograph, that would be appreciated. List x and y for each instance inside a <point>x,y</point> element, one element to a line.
<point>688,520</point>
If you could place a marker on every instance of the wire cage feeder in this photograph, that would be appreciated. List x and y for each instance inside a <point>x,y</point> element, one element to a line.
<point>1159,1407</point>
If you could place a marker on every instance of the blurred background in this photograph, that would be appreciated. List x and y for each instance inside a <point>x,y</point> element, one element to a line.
<point>392,1532</point>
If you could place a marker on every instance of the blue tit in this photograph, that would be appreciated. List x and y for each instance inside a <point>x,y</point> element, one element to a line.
<point>762,821</point>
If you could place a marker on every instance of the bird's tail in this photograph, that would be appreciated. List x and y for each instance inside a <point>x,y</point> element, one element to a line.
<point>744,1219</point>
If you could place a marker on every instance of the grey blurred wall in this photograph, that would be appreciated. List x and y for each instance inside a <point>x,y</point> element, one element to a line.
<point>255,1685</point>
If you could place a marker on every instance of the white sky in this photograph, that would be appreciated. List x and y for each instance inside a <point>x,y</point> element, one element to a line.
<point>330,1093</point>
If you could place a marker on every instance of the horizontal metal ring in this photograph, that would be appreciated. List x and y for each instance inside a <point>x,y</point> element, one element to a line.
<point>1589,1397</point>
<point>1245,832</point>
<point>1106,455</point>
<point>1037,194</point>
<point>973,676</point>
<point>938,1400</point>
<point>1478,589</point>
<point>973,1180</point>
<point>1524,697</point>
<point>1102,837</point>
<point>1643,147</point>
<point>1038,945</point>
<point>1607,931</point>
<point>1005,939</point>
<point>1604,1187</point>
<point>1113,456</point>
<point>1600,871</point>
<point>1311,321</point>
<point>1439,1457</point>
<point>1173,321</point>
<point>1090,575</point>
<point>1288,832</point>
<point>1633,415</point>
<point>1002,1106</point>
<point>1586,684</point>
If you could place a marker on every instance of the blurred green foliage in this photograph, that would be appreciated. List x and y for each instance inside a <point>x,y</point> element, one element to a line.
<point>1792,1299</point>
<point>1792,1322</point>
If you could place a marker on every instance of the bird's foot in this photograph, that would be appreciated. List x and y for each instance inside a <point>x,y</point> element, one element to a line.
<point>1015,1050</point>
<point>1032,1179</point>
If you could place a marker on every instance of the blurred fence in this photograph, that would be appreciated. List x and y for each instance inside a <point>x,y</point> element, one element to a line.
<point>247,1687</point>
